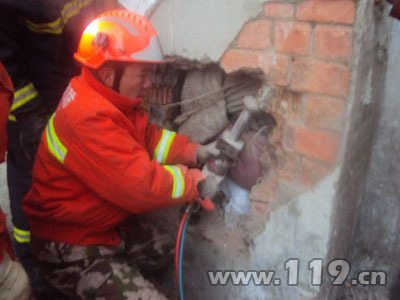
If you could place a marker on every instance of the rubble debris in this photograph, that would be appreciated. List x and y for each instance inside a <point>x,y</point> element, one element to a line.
<point>206,118</point>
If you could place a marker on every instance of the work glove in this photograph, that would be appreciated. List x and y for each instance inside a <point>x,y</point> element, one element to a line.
<point>206,151</point>
<point>197,177</point>
<point>32,126</point>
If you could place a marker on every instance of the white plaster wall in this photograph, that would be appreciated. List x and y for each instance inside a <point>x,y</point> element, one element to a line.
<point>142,7</point>
<point>300,230</point>
<point>201,30</point>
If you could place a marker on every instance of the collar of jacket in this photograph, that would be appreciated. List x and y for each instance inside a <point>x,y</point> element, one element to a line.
<point>125,104</point>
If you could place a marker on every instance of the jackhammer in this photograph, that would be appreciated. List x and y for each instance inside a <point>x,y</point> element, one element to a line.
<point>230,145</point>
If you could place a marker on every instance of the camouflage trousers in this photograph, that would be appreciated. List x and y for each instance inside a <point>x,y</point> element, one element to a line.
<point>106,272</point>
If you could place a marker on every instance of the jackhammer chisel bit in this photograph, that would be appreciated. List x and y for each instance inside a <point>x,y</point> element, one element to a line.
<point>230,146</point>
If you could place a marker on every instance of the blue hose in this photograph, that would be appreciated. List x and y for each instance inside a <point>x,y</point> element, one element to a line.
<point>181,257</point>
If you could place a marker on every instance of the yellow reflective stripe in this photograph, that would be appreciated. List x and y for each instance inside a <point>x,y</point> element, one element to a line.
<point>162,149</point>
<point>69,10</point>
<point>23,95</point>
<point>12,118</point>
<point>72,8</point>
<point>179,181</point>
<point>53,142</point>
<point>22,236</point>
<point>55,27</point>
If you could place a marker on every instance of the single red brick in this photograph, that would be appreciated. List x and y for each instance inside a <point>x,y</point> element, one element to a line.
<point>255,35</point>
<point>265,190</point>
<point>320,77</point>
<point>275,66</point>
<point>324,112</point>
<point>292,37</point>
<point>287,104</point>
<point>336,11</point>
<point>311,172</point>
<point>287,167</point>
<point>333,42</point>
<point>278,10</point>
<point>288,137</point>
<point>316,144</point>
<point>235,59</point>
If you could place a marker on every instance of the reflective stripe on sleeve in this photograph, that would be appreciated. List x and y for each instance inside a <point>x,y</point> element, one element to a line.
<point>69,10</point>
<point>12,118</point>
<point>179,181</point>
<point>22,236</point>
<point>162,149</point>
<point>53,142</point>
<point>23,95</point>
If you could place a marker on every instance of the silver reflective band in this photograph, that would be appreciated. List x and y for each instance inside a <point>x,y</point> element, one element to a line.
<point>165,143</point>
<point>22,236</point>
<point>23,95</point>
<point>53,143</point>
<point>178,188</point>
<point>151,53</point>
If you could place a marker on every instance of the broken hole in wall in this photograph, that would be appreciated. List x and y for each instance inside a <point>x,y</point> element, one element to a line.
<point>201,102</point>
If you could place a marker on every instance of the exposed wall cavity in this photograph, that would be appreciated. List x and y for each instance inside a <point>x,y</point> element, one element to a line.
<point>203,102</point>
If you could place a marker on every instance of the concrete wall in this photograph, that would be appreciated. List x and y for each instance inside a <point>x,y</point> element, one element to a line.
<point>373,29</point>
<point>201,30</point>
<point>376,239</point>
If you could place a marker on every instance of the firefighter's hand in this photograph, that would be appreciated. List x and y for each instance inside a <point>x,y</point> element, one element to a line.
<point>32,126</point>
<point>199,178</point>
<point>208,188</point>
<point>206,151</point>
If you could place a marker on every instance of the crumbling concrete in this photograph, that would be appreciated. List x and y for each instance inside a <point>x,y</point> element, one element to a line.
<point>206,117</point>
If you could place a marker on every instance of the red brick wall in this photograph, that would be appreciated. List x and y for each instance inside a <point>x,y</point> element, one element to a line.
<point>305,50</point>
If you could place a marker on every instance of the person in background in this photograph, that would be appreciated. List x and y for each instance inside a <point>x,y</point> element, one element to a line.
<point>14,283</point>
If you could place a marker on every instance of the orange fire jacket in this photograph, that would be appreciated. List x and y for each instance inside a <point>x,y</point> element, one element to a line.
<point>100,162</point>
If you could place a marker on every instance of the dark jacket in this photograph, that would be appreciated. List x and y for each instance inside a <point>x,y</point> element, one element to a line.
<point>37,41</point>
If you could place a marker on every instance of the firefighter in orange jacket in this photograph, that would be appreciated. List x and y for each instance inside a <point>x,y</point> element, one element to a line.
<point>99,163</point>
<point>37,43</point>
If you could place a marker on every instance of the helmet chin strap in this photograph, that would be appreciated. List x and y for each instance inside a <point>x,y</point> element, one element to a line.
<point>119,71</point>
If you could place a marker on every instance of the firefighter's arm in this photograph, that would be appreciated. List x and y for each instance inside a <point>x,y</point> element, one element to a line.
<point>169,147</point>
<point>114,166</point>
